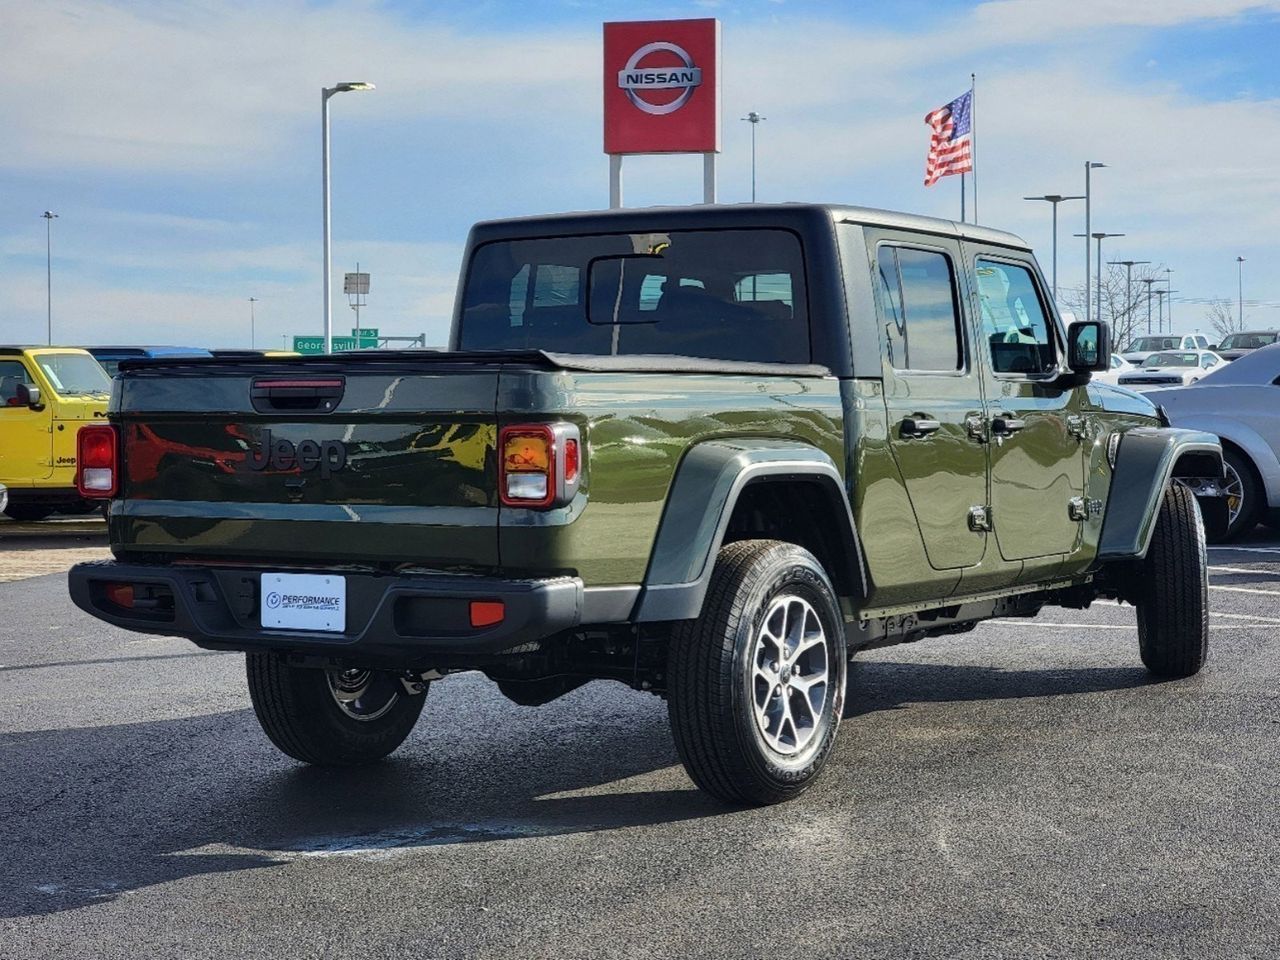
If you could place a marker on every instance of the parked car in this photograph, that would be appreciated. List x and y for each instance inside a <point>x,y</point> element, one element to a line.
<point>723,448</point>
<point>46,393</point>
<point>1143,347</point>
<point>1240,403</point>
<point>1119,365</point>
<point>110,357</point>
<point>1170,368</point>
<point>1236,345</point>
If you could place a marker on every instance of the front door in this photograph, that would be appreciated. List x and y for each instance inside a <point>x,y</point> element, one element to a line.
<point>1037,457</point>
<point>933,394</point>
<point>26,445</point>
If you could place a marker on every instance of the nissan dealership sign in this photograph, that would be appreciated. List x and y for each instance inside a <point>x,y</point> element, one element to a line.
<point>661,86</point>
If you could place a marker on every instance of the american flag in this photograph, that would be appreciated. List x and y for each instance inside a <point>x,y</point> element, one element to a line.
<point>950,147</point>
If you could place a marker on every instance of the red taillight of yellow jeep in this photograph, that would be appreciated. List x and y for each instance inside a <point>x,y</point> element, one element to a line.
<point>97,462</point>
<point>540,464</point>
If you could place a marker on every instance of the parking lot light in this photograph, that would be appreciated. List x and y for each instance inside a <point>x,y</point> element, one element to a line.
<point>325,94</point>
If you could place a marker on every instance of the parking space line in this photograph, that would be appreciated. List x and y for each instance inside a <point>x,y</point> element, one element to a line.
<point>1265,573</point>
<point>1114,626</point>
<point>1248,549</point>
<point>1265,593</point>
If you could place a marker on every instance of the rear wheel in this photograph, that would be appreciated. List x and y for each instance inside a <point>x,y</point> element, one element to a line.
<point>330,718</point>
<point>27,512</point>
<point>756,683</point>
<point>1173,590</point>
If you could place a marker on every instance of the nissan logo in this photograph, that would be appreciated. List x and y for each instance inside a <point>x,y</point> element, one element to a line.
<point>634,78</point>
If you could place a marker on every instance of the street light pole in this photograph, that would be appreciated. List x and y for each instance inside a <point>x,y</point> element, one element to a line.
<point>1160,295</point>
<point>1089,167</point>
<point>1148,281</point>
<point>325,94</point>
<point>252,321</point>
<point>1128,284</point>
<point>1240,292</point>
<point>754,119</point>
<point>49,217</point>
<point>1100,236</point>
<point>1055,199</point>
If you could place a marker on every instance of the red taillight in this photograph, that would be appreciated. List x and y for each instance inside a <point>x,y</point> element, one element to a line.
<point>96,463</point>
<point>487,613</point>
<point>539,464</point>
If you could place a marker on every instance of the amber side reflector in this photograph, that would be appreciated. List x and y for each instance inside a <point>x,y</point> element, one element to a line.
<point>487,613</point>
<point>121,594</point>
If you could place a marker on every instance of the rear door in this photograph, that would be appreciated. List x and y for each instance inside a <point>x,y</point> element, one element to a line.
<point>26,443</point>
<point>933,392</point>
<point>1036,428</point>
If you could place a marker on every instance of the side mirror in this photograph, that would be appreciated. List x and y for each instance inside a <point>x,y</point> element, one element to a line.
<point>29,395</point>
<point>1088,346</point>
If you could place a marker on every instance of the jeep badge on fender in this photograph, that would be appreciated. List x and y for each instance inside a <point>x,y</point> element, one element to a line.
<point>328,456</point>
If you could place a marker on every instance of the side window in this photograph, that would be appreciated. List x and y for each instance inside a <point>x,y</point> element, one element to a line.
<point>12,374</point>
<point>1202,343</point>
<point>1013,319</point>
<point>921,316</point>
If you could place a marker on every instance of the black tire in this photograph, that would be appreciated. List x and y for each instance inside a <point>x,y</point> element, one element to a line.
<point>299,711</point>
<point>713,683</point>
<point>1173,590</point>
<point>27,512</point>
<point>1250,496</point>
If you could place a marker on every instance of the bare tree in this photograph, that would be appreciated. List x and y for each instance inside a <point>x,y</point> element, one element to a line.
<point>1124,303</point>
<point>1222,314</point>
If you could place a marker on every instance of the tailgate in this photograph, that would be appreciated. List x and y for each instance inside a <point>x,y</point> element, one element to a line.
<point>324,461</point>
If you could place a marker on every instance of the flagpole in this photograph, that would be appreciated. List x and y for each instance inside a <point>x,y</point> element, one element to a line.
<point>973,138</point>
<point>962,198</point>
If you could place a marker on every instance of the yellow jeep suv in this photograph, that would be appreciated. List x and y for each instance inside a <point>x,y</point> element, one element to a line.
<point>46,393</point>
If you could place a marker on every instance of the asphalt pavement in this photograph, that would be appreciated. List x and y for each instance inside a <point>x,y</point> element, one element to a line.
<point>1024,790</point>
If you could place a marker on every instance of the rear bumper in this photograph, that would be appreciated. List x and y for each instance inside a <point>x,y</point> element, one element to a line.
<point>392,620</point>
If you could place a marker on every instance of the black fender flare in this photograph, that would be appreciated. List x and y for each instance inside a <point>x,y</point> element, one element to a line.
<point>1145,462</point>
<point>700,503</point>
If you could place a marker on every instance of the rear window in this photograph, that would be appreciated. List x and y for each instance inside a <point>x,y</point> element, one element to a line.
<point>721,294</point>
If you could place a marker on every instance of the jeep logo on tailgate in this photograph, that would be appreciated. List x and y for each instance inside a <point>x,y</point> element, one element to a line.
<point>327,456</point>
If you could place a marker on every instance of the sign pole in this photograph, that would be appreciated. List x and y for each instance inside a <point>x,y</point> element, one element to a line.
<point>709,177</point>
<point>615,181</point>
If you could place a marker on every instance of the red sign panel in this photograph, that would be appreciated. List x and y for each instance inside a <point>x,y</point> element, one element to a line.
<point>662,86</point>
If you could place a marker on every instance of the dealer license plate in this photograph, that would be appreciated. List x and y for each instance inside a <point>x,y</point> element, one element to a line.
<point>304,601</point>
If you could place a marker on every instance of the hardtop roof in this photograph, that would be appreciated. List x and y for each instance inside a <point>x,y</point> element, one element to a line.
<point>722,216</point>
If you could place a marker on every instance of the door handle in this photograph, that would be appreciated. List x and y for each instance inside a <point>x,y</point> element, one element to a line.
<point>1005,424</point>
<point>919,427</point>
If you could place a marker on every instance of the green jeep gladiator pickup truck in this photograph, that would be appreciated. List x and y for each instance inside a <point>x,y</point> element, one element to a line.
<point>709,452</point>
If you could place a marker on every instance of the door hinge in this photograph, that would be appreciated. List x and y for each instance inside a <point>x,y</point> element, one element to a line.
<point>1080,508</point>
<point>980,519</point>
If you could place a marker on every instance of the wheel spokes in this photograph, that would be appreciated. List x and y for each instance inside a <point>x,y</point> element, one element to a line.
<point>789,674</point>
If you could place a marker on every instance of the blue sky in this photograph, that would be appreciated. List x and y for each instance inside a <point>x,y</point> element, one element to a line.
<point>179,142</point>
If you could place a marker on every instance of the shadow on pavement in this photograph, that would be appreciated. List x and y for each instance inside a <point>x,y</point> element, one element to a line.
<point>101,811</point>
<point>97,812</point>
<point>881,685</point>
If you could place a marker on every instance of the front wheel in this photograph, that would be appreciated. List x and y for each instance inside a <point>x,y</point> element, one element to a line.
<point>330,718</point>
<point>1173,590</point>
<point>756,683</point>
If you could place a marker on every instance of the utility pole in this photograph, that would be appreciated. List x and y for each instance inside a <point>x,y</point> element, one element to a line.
<point>252,321</point>
<point>49,217</point>
<point>1168,289</point>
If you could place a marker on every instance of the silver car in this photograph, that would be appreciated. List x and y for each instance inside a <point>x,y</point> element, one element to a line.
<point>1240,402</point>
<point>1170,368</point>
